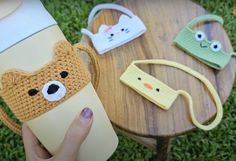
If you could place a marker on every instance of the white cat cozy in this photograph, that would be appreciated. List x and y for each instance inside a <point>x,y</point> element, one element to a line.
<point>109,37</point>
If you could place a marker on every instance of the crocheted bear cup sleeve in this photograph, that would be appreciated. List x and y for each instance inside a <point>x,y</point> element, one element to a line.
<point>30,95</point>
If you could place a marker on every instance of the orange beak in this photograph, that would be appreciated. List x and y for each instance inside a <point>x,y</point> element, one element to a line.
<point>148,86</point>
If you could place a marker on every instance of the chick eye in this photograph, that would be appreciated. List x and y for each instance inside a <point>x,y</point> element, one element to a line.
<point>200,36</point>
<point>32,92</point>
<point>215,46</point>
<point>64,74</point>
<point>139,78</point>
<point>157,89</point>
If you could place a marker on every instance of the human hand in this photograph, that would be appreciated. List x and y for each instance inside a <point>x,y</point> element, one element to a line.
<point>68,150</point>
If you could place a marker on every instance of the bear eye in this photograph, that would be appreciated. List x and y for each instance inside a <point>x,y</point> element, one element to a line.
<point>64,74</point>
<point>200,36</point>
<point>112,35</point>
<point>122,29</point>
<point>32,92</point>
<point>139,78</point>
<point>157,89</point>
<point>215,46</point>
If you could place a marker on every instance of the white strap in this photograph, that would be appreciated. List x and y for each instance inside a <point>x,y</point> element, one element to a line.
<point>108,6</point>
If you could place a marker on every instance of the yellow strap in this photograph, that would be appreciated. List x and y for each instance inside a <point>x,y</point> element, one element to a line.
<point>9,123</point>
<point>92,54</point>
<point>194,120</point>
<point>205,81</point>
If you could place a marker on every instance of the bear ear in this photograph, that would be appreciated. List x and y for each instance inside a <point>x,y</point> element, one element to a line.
<point>12,78</point>
<point>63,49</point>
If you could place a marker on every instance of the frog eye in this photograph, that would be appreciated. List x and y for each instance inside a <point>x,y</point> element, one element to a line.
<point>200,36</point>
<point>215,46</point>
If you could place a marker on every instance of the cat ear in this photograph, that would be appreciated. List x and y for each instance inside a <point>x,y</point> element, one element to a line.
<point>103,28</point>
<point>63,49</point>
<point>12,77</point>
<point>124,19</point>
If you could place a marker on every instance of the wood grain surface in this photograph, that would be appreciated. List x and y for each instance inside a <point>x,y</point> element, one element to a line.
<point>130,111</point>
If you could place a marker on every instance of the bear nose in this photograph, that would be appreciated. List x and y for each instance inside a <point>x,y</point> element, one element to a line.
<point>53,88</point>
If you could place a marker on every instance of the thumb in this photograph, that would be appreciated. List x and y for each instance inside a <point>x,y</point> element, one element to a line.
<point>75,136</point>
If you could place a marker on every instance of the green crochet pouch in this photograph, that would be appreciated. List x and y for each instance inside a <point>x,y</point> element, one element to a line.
<point>196,44</point>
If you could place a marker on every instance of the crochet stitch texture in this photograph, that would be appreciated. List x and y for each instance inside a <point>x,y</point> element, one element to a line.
<point>17,84</point>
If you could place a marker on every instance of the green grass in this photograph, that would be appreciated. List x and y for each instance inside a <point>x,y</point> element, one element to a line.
<point>216,145</point>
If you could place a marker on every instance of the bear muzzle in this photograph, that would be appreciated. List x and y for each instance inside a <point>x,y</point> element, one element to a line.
<point>53,91</point>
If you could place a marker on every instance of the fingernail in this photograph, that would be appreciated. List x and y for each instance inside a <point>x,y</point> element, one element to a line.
<point>87,114</point>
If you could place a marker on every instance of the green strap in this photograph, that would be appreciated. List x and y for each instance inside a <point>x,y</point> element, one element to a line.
<point>205,18</point>
<point>233,54</point>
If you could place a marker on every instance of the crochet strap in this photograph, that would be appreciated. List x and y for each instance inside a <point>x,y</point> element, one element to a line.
<point>92,54</point>
<point>205,18</point>
<point>9,123</point>
<point>203,79</point>
<point>194,120</point>
<point>108,6</point>
<point>233,54</point>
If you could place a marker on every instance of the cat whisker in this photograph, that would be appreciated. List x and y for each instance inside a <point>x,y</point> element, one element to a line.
<point>127,30</point>
<point>110,39</point>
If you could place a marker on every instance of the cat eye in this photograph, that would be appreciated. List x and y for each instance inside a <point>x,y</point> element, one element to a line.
<point>215,46</point>
<point>123,29</point>
<point>64,74</point>
<point>200,36</point>
<point>139,78</point>
<point>32,92</point>
<point>112,35</point>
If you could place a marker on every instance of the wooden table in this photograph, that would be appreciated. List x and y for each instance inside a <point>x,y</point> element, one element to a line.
<point>133,114</point>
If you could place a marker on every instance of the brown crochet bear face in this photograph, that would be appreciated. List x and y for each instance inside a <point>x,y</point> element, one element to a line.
<point>35,93</point>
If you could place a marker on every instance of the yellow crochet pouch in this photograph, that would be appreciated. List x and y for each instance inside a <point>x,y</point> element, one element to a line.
<point>162,95</point>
